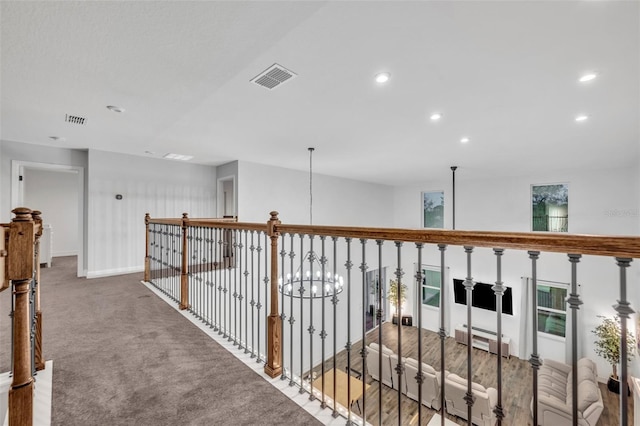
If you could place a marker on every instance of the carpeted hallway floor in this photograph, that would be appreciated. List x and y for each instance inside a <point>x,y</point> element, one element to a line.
<point>123,357</point>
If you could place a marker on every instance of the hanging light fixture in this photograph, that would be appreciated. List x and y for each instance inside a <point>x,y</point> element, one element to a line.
<point>314,282</point>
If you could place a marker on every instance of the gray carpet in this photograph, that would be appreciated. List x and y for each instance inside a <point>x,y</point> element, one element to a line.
<point>122,357</point>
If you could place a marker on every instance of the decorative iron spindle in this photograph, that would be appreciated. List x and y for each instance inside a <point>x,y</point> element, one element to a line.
<point>311,330</point>
<point>323,332</point>
<point>378,319</point>
<point>469,284</point>
<point>235,290</point>
<point>363,315</point>
<point>535,356</point>
<point>301,290</point>
<point>349,265</point>
<point>419,376</point>
<point>499,289</point>
<point>624,311</point>
<point>574,303</point>
<point>283,316</point>
<point>334,300</point>
<point>442,333</point>
<point>399,367</point>
<point>259,304</point>
<point>246,294</point>
<point>292,320</point>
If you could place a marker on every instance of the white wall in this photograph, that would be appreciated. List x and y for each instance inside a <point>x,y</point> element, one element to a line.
<point>336,201</point>
<point>55,194</point>
<point>162,188</point>
<point>504,205</point>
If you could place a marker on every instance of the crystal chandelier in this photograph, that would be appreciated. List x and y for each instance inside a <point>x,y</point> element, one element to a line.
<point>315,281</point>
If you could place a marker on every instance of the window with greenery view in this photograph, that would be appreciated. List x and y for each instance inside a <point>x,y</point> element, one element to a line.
<point>431,287</point>
<point>552,316</point>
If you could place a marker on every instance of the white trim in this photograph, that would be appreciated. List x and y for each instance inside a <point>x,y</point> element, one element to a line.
<point>220,195</point>
<point>115,271</point>
<point>17,197</point>
<point>65,253</point>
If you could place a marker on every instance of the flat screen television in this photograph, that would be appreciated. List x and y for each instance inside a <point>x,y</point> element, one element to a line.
<point>483,296</point>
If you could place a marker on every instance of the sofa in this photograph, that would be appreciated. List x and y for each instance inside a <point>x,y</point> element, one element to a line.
<point>555,394</point>
<point>383,374</point>
<point>430,383</point>
<point>455,388</point>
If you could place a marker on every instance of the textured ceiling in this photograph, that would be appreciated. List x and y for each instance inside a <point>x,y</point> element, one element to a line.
<point>503,73</point>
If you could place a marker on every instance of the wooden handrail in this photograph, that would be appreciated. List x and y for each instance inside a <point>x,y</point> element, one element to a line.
<point>600,245</point>
<point>248,226</point>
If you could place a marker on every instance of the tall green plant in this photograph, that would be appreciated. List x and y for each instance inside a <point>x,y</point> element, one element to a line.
<point>396,292</point>
<point>608,344</point>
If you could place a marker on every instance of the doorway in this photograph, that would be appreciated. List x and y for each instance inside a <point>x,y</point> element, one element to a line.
<point>375,279</point>
<point>227,197</point>
<point>57,191</point>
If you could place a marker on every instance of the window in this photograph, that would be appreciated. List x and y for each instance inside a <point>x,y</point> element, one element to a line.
<point>431,286</point>
<point>552,316</point>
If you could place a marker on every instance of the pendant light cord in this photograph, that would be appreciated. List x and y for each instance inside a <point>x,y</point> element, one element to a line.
<point>311,185</point>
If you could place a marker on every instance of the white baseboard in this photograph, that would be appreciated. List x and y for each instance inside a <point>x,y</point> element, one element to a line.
<point>115,271</point>
<point>65,253</point>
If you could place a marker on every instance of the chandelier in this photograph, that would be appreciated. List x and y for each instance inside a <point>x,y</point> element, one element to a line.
<point>314,282</point>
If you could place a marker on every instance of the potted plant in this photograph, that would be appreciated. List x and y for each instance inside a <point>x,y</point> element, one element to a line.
<point>608,347</point>
<point>396,293</point>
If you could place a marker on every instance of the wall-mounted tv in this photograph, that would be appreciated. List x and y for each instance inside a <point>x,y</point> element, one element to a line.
<point>483,296</point>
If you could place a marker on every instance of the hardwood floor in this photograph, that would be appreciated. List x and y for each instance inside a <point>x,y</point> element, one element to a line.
<point>516,381</point>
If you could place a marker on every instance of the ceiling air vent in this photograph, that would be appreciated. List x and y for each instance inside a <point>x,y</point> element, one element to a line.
<point>273,76</point>
<point>74,119</point>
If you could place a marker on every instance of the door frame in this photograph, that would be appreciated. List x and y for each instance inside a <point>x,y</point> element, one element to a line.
<point>17,197</point>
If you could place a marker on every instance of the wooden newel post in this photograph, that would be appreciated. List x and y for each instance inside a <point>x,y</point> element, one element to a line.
<point>39,359</point>
<point>274,323</point>
<point>184,278</point>
<point>147,273</point>
<point>20,272</point>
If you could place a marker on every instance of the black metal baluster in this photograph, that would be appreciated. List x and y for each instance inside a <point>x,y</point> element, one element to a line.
<point>216,280</point>
<point>334,300</point>
<point>624,311</point>
<point>246,293</point>
<point>349,265</point>
<point>574,303</point>
<point>379,310</point>
<point>498,289</point>
<point>363,350</point>
<point>241,296</point>
<point>442,333</point>
<point>468,285</point>
<point>267,299</point>
<point>301,291</point>
<point>253,300</point>
<point>535,357</point>
<point>419,376</point>
<point>259,304</point>
<point>323,332</point>
<point>311,330</point>
<point>283,316</point>
<point>399,366</point>
<point>220,279</point>
<point>235,288</point>
<point>292,320</point>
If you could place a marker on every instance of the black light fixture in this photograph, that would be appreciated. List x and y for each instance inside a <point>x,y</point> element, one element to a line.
<point>453,172</point>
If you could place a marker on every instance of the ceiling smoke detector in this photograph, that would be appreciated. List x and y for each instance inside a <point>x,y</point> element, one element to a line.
<point>273,76</point>
<point>74,119</point>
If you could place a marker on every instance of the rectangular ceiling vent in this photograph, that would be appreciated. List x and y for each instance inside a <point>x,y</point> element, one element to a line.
<point>273,76</point>
<point>74,119</point>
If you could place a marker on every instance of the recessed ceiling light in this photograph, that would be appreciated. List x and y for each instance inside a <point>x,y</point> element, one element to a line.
<point>582,117</point>
<point>465,140</point>
<point>57,138</point>
<point>180,157</point>
<point>588,77</point>
<point>383,77</point>
<point>115,108</point>
<point>436,116</point>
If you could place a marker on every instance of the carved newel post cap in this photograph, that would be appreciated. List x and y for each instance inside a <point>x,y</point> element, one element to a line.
<point>185,215</point>
<point>23,214</point>
<point>274,215</point>
<point>147,218</point>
